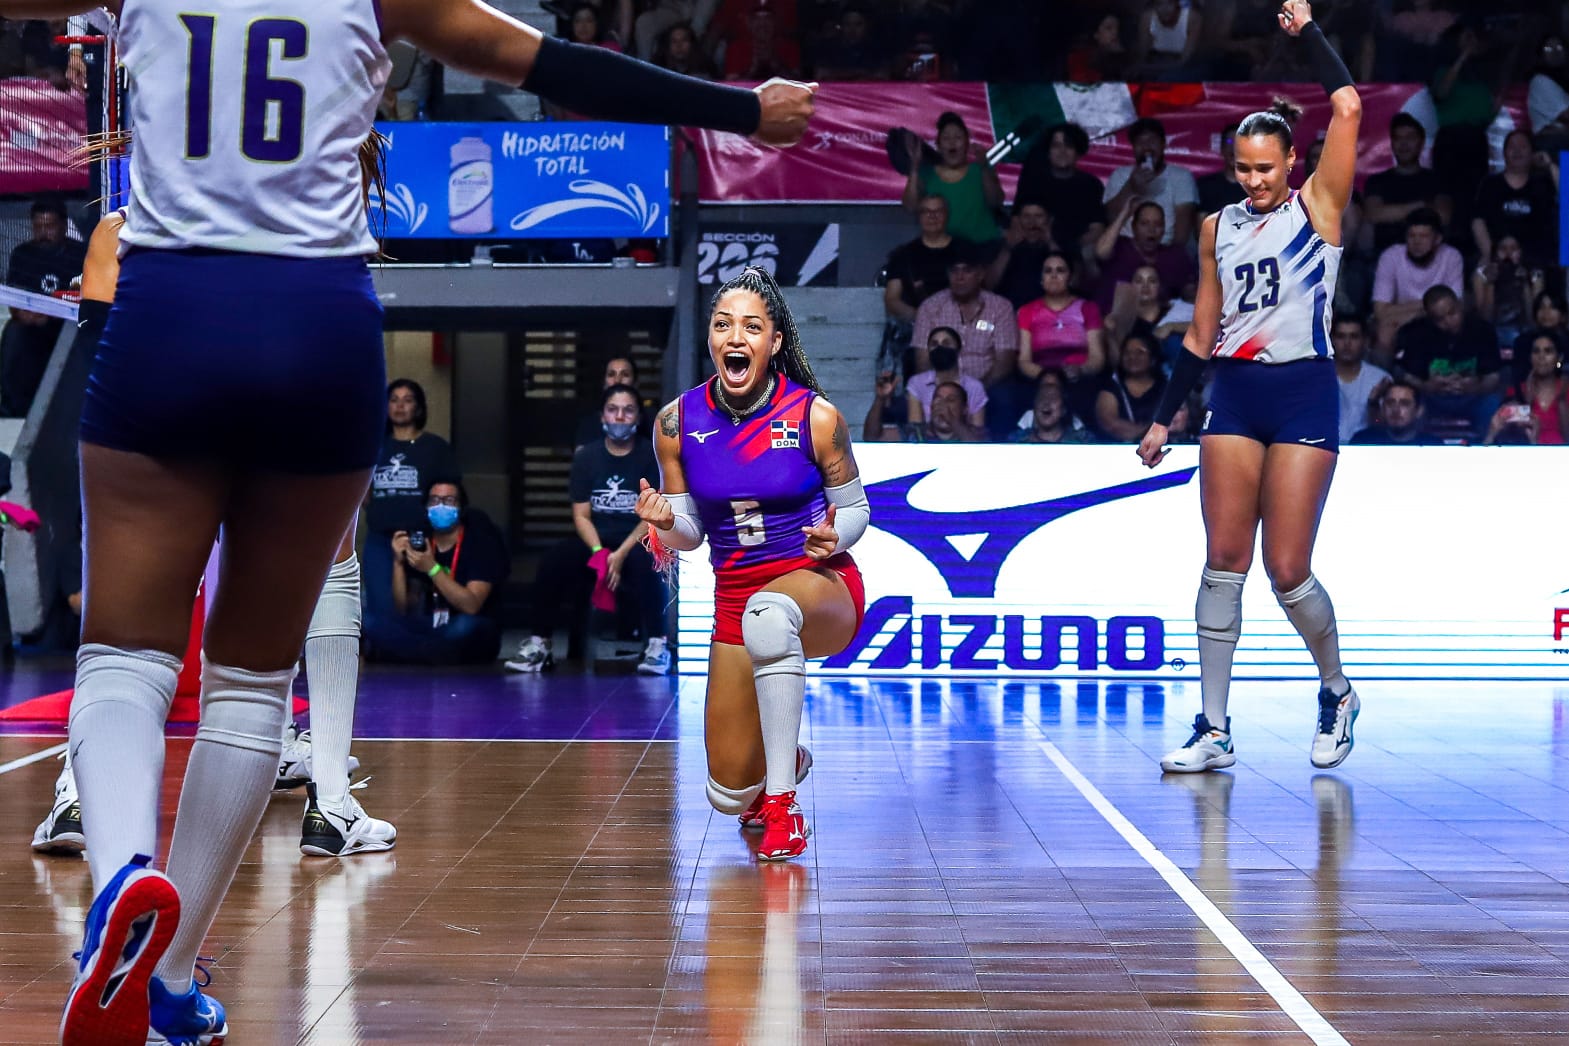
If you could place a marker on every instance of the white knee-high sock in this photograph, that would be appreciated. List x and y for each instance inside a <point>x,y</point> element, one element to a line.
<point>771,629</point>
<point>116,752</point>
<point>1313,616</point>
<point>234,762</point>
<point>1218,615</point>
<point>332,660</point>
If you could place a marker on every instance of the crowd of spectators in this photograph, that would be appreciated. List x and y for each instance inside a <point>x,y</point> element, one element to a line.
<point>1088,286</point>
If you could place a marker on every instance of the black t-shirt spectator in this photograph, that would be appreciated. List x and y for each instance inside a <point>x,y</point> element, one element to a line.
<point>479,555</point>
<point>1216,191</point>
<point>1135,408</point>
<point>1392,186</point>
<point>1380,436</point>
<point>922,271</point>
<point>610,484</point>
<point>1529,214</point>
<point>1021,278</point>
<point>1424,350</point>
<point>1074,203</point>
<point>402,473</point>
<point>44,268</point>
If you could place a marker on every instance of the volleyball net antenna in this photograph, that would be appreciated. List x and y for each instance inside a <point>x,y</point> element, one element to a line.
<point>63,148</point>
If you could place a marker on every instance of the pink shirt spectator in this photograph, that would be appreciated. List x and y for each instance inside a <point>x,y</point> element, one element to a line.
<point>1398,279</point>
<point>986,327</point>
<point>1059,339</point>
<point>923,386</point>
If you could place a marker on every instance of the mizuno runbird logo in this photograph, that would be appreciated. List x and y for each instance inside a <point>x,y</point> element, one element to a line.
<point>975,576</point>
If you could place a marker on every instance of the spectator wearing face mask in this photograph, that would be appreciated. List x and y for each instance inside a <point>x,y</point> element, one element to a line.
<point>943,347</point>
<point>619,370</point>
<point>444,583</point>
<point>606,556</point>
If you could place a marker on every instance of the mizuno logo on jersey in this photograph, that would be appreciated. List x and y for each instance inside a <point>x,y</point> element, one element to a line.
<point>702,437</point>
<point>785,433</point>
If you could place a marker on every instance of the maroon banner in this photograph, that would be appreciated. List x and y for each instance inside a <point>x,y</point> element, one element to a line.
<point>41,129</point>
<point>843,158</point>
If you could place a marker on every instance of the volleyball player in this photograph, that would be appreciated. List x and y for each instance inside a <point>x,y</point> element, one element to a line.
<point>1267,449</point>
<point>243,294</point>
<point>334,823</point>
<point>760,462</point>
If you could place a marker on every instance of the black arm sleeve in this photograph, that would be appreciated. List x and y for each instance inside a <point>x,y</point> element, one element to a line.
<point>1184,375</point>
<point>598,82</point>
<point>1327,66</point>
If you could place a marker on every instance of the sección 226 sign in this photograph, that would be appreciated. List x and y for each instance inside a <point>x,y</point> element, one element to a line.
<point>1077,561</point>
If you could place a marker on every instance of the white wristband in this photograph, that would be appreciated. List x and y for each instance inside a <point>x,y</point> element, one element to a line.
<point>687,531</point>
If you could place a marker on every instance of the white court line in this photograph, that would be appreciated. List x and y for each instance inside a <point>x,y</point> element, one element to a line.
<point>36,757</point>
<point>1259,968</point>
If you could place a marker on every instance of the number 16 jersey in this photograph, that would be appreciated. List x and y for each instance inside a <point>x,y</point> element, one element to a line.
<point>247,118</point>
<point>755,482</point>
<point>1277,279</point>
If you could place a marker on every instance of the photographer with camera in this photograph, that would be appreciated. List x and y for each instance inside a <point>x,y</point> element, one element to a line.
<point>444,581</point>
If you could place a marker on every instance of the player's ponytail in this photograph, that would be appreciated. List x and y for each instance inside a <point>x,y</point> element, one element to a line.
<point>1275,121</point>
<point>791,358</point>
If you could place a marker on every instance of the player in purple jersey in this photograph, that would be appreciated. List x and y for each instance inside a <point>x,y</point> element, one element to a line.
<point>759,461</point>
<point>1268,448</point>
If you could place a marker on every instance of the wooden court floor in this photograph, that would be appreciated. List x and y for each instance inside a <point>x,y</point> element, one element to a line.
<point>992,862</point>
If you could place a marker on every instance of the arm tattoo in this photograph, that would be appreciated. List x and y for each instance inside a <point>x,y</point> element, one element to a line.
<point>841,436</point>
<point>669,424</point>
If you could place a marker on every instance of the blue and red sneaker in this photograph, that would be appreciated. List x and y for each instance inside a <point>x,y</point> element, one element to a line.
<point>129,927</point>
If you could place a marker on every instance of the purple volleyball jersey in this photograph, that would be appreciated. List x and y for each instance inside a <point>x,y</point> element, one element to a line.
<point>755,483</point>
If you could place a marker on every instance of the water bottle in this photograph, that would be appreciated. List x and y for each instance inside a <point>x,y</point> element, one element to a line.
<point>470,186</point>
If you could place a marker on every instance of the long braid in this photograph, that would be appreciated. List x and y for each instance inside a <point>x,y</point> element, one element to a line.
<point>792,358</point>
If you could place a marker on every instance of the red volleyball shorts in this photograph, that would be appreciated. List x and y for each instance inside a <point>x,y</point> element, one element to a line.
<point>733,586</point>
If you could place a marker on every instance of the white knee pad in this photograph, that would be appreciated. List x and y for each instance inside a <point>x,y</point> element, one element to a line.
<point>143,678</point>
<point>1218,613</point>
<point>771,630</point>
<point>244,709</point>
<point>731,801</point>
<point>337,610</point>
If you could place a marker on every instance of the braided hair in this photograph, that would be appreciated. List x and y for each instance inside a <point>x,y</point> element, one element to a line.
<point>791,360</point>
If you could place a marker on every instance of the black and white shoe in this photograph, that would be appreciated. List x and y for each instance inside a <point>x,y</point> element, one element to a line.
<point>61,831</point>
<point>342,829</point>
<point>294,764</point>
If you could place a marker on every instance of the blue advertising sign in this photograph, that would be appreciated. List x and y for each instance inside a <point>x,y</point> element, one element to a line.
<point>500,181</point>
<point>1563,210</point>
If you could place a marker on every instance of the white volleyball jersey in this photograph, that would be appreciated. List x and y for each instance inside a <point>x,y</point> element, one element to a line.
<point>247,118</point>
<point>1277,280</point>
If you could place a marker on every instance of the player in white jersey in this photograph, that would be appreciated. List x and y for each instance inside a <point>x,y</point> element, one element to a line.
<point>1268,446</point>
<point>244,295</point>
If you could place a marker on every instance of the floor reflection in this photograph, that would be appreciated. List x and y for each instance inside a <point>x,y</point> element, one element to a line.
<point>752,979</point>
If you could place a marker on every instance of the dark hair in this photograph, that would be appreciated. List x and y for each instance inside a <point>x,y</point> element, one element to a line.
<point>1149,346</point>
<point>1402,383</point>
<point>1405,119</point>
<point>792,358</point>
<point>1071,133</point>
<point>1052,372</point>
<point>632,363</point>
<point>1146,125</point>
<point>421,415</point>
<point>1437,293</point>
<point>1275,121</point>
<point>964,397</point>
<point>1425,216</point>
<point>48,205</point>
<point>1146,204</point>
<point>617,390</point>
<point>1551,295</point>
<point>1057,252</point>
<point>949,119</point>
<point>1550,335</point>
<point>449,481</point>
<point>1530,139</point>
<point>956,336</point>
<point>1348,317</point>
<point>935,196</point>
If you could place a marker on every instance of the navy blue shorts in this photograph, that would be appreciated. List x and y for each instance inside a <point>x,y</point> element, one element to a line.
<point>257,361</point>
<point>1296,402</point>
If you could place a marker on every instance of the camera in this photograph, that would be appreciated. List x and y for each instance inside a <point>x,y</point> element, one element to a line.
<point>417,540</point>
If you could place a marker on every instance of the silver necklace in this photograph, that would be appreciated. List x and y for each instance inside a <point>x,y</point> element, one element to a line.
<point>737,415</point>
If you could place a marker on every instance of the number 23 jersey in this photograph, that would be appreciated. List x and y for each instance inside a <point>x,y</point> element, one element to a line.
<point>1277,279</point>
<point>247,118</point>
<point>756,483</point>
